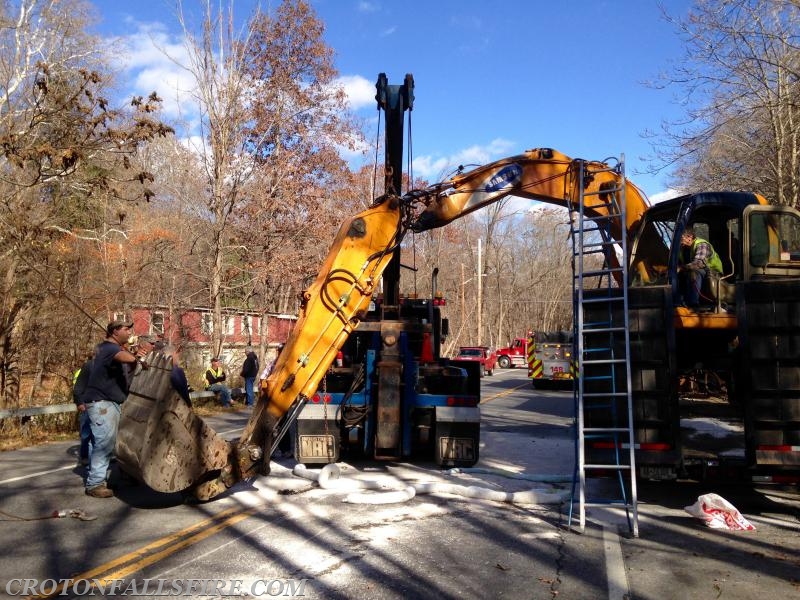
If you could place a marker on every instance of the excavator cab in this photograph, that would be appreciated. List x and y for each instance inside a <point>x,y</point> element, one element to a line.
<point>656,245</point>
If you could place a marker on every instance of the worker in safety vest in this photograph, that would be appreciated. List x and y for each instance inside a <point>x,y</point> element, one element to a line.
<point>696,260</point>
<point>215,378</point>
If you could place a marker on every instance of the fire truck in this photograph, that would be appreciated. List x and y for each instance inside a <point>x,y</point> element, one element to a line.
<point>513,355</point>
<point>550,357</point>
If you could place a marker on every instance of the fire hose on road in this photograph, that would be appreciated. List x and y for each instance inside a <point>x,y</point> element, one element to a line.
<point>330,478</point>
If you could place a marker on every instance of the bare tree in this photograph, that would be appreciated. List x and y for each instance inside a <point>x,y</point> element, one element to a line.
<point>63,152</point>
<point>220,97</point>
<point>740,76</point>
<point>270,125</point>
<point>526,267</point>
<point>302,187</point>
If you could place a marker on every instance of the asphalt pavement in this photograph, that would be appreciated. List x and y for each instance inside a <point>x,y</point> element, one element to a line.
<point>284,530</point>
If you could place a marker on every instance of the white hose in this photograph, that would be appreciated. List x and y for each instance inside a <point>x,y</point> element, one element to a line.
<point>329,477</point>
<point>512,474</point>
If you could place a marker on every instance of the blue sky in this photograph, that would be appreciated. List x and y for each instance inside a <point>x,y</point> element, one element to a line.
<point>492,78</point>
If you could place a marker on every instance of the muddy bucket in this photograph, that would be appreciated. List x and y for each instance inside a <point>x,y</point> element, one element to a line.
<point>162,442</point>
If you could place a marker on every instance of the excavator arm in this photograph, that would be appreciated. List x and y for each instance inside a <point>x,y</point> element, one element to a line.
<point>541,174</point>
<point>333,306</point>
<point>338,300</point>
<point>330,310</point>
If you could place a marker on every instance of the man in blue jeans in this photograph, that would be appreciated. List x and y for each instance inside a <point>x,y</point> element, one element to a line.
<point>249,374</point>
<point>215,378</point>
<point>106,390</point>
<point>81,379</point>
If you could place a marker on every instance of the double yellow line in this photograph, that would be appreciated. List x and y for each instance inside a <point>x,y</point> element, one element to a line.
<point>135,561</point>
<point>505,393</point>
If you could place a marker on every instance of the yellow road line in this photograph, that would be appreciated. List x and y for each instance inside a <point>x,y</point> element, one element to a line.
<point>143,557</point>
<point>505,393</point>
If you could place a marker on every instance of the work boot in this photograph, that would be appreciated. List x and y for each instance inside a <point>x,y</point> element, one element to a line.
<point>99,491</point>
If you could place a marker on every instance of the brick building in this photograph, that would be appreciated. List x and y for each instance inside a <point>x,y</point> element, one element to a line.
<point>191,331</point>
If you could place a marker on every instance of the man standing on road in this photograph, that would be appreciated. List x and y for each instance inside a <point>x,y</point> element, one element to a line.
<point>78,389</point>
<point>106,390</point>
<point>249,374</point>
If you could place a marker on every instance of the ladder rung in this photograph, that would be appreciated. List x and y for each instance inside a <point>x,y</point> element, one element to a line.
<point>590,252</point>
<point>604,394</point>
<point>614,467</point>
<point>602,330</point>
<point>598,218</point>
<point>625,503</point>
<point>603,191</point>
<point>602,272</point>
<point>607,361</point>
<point>597,245</point>
<point>608,429</point>
<point>603,299</point>
<point>591,228</point>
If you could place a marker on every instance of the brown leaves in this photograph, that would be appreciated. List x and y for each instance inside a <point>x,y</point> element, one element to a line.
<point>69,157</point>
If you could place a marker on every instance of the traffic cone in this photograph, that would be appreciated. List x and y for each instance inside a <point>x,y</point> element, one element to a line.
<point>426,356</point>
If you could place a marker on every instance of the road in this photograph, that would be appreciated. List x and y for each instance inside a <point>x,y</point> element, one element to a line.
<point>282,531</point>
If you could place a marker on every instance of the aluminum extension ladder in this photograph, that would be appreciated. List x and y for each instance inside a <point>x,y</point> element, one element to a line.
<point>604,434</point>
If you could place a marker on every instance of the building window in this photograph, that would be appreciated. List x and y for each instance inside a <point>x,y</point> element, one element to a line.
<point>228,321</point>
<point>207,323</point>
<point>248,323</point>
<point>157,322</point>
<point>120,316</point>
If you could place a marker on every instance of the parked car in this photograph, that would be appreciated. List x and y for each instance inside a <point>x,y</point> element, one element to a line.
<point>481,354</point>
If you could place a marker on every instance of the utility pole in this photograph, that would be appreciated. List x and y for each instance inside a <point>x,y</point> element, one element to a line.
<point>463,302</point>
<point>480,294</point>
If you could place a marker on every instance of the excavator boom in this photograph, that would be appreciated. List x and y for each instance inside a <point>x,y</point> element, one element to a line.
<point>338,300</point>
<point>331,309</point>
<point>541,174</point>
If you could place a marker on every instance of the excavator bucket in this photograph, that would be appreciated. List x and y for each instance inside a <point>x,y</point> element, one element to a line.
<point>162,442</point>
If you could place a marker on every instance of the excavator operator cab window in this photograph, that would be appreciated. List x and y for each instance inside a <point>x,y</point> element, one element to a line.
<point>774,239</point>
<point>651,251</point>
<point>759,241</point>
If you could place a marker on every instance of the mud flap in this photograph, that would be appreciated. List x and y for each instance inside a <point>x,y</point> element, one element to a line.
<point>164,444</point>
<point>457,435</point>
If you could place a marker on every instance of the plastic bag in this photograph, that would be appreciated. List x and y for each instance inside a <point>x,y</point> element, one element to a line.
<point>718,513</point>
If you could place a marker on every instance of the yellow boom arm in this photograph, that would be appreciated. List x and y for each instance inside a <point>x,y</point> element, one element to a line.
<point>541,174</point>
<point>332,308</point>
<point>339,298</point>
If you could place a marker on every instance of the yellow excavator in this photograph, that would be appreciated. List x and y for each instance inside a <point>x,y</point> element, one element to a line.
<point>747,336</point>
<point>163,443</point>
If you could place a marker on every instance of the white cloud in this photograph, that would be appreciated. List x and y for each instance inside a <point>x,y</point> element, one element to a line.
<point>436,168</point>
<point>360,92</point>
<point>665,195</point>
<point>151,60</point>
<point>368,7</point>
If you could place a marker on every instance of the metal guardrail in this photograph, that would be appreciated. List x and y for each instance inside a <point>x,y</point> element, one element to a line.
<point>55,409</point>
<point>31,411</point>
